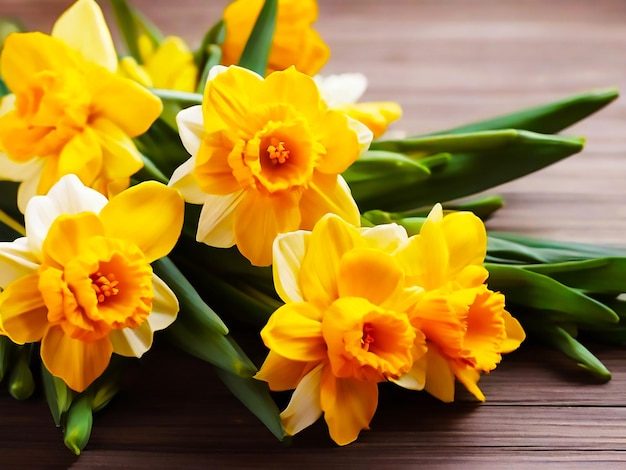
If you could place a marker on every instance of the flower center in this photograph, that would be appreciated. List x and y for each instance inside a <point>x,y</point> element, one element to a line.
<point>104,286</point>
<point>365,341</point>
<point>277,151</point>
<point>367,337</point>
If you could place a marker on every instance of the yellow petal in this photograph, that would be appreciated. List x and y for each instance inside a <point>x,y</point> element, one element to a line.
<point>349,406</point>
<point>297,89</point>
<point>331,238</point>
<point>369,274</point>
<point>77,362</point>
<point>84,29</point>
<point>281,373</point>
<point>26,54</point>
<point>340,141</point>
<point>119,154</point>
<point>288,253</point>
<point>259,219</point>
<point>469,377</point>
<point>386,237</point>
<point>294,331</point>
<point>439,375</point>
<point>149,214</point>
<point>67,235</point>
<point>304,408</point>
<point>81,156</point>
<point>466,238</point>
<point>375,115</point>
<point>514,333</point>
<point>328,194</point>
<point>164,305</point>
<point>132,342</point>
<point>226,105</point>
<point>23,312</point>
<point>126,103</point>
<point>414,379</point>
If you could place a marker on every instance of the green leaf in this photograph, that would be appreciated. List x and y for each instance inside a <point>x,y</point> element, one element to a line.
<point>548,118</point>
<point>128,27</point>
<point>257,51</point>
<point>191,304</point>
<point>255,395</point>
<point>146,26</point>
<point>79,421</point>
<point>518,249</point>
<point>479,161</point>
<point>213,58</point>
<point>555,301</point>
<point>560,339</point>
<point>377,174</point>
<point>216,349</point>
<point>8,349</point>
<point>598,276</point>
<point>58,395</point>
<point>21,382</point>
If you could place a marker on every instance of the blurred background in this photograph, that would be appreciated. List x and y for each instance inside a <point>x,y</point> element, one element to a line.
<point>448,62</point>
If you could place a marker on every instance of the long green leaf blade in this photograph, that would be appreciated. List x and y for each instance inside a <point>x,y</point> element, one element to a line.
<point>257,51</point>
<point>548,118</point>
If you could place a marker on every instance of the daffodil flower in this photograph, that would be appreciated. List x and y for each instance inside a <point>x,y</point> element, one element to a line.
<point>344,327</point>
<point>70,112</point>
<point>266,159</point>
<point>466,325</point>
<point>169,66</point>
<point>342,92</point>
<point>80,281</point>
<point>294,41</point>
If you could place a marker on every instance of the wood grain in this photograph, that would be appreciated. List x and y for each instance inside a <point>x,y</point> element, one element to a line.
<point>446,62</point>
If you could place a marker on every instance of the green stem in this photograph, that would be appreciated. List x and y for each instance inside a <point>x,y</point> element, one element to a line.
<point>179,96</point>
<point>9,221</point>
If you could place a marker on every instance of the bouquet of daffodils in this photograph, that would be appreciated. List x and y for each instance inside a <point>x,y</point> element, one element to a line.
<point>170,189</point>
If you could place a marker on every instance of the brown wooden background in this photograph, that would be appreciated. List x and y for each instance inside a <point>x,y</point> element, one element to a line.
<point>447,62</point>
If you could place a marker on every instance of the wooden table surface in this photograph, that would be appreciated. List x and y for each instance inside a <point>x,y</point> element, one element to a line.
<point>447,62</point>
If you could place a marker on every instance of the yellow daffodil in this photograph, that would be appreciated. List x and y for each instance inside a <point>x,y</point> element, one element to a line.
<point>169,66</point>
<point>294,41</point>
<point>80,281</point>
<point>266,159</point>
<point>342,92</point>
<point>466,325</point>
<point>344,327</point>
<point>70,112</point>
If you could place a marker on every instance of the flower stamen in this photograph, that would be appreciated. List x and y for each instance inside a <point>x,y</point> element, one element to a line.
<point>104,286</point>
<point>277,151</point>
<point>367,338</point>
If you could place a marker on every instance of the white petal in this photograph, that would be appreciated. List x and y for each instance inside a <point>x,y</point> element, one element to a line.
<point>215,71</point>
<point>191,128</point>
<point>164,305</point>
<point>337,90</point>
<point>68,196</point>
<point>132,342</point>
<point>364,134</point>
<point>183,180</point>
<point>415,379</point>
<point>304,407</point>
<point>288,251</point>
<point>83,28</point>
<point>435,214</point>
<point>387,237</point>
<point>215,227</point>
<point>7,103</point>
<point>16,261</point>
<point>30,175</point>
